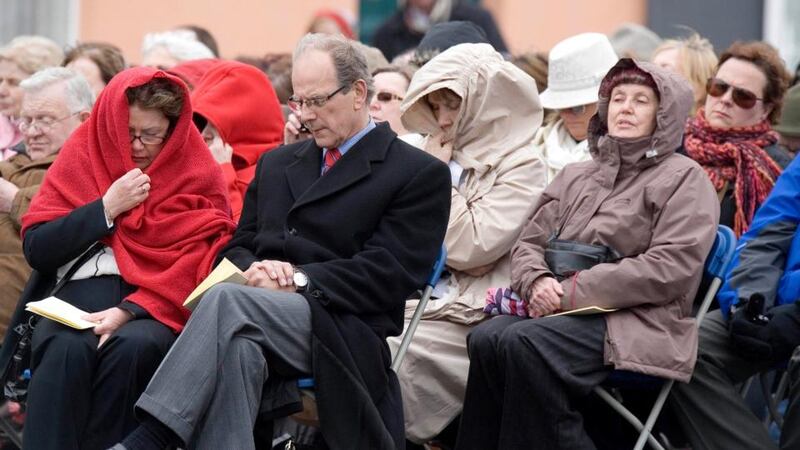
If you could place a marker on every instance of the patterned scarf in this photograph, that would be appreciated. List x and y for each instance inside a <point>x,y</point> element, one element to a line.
<point>735,155</point>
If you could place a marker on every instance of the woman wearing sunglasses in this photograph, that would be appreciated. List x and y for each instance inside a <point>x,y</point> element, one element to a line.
<point>729,135</point>
<point>391,84</point>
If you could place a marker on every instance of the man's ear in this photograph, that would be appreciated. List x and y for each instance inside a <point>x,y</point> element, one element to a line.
<point>360,97</point>
<point>83,115</point>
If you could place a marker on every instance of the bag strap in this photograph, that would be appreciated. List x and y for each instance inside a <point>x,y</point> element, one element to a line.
<point>87,255</point>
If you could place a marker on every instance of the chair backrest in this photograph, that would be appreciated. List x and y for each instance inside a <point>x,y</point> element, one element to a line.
<point>721,253</point>
<point>716,265</point>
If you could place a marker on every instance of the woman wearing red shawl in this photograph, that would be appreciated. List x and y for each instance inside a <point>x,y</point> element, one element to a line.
<point>240,116</point>
<point>731,135</point>
<point>137,178</point>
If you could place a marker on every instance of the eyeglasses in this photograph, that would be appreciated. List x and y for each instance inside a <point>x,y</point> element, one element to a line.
<point>296,104</point>
<point>148,139</point>
<point>741,97</point>
<point>43,124</point>
<point>575,110</point>
<point>386,97</point>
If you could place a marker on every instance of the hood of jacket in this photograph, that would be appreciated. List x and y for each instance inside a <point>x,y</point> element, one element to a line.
<point>625,155</point>
<point>500,109</point>
<point>238,99</point>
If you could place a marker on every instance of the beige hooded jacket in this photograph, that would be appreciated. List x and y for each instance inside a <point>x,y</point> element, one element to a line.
<point>503,174</point>
<point>653,206</point>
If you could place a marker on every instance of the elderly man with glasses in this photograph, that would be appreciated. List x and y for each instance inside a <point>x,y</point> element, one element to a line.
<point>336,232</point>
<point>55,101</point>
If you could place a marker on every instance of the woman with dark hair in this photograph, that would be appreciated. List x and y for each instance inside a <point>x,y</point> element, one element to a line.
<point>654,214</point>
<point>730,135</point>
<point>137,179</point>
<point>98,62</point>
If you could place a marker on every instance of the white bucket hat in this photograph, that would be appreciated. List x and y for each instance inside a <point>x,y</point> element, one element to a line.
<point>576,68</point>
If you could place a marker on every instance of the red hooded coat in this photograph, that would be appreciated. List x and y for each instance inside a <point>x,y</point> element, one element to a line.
<point>238,99</point>
<point>166,245</point>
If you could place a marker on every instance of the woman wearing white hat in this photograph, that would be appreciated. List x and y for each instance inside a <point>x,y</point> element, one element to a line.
<point>577,65</point>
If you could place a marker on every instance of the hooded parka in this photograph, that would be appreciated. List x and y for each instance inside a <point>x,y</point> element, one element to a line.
<point>657,209</point>
<point>502,177</point>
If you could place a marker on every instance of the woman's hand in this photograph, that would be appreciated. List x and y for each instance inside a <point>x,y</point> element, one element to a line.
<point>441,150</point>
<point>544,297</point>
<point>108,321</point>
<point>221,150</point>
<point>126,193</point>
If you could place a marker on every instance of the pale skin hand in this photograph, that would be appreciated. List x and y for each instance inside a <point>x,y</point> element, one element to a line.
<point>291,131</point>
<point>7,193</point>
<point>109,321</point>
<point>544,297</point>
<point>441,150</point>
<point>222,153</point>
<point>270,274</point>
<point>126,193</point>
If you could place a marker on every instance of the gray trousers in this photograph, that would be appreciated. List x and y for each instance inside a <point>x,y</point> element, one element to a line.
<point>711,411</point>
<point>209,387</point>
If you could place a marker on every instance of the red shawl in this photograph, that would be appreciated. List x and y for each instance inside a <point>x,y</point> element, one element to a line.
<point>167,244</point>
<point>238,99</point>
<point>737,156</point>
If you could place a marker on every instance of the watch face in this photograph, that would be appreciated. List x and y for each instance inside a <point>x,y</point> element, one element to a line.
<point>300,279</point>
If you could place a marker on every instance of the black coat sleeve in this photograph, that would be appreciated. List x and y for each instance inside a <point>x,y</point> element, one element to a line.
<point>50,245</point>
<point>241,248</point>
<point>399,255</point>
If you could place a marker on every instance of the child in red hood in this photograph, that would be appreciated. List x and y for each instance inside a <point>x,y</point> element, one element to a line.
<point>240,117</point>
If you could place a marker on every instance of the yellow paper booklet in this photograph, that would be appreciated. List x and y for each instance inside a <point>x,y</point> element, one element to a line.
<point>585,310</point>
<point>225,272</point>
<point>60,311</point>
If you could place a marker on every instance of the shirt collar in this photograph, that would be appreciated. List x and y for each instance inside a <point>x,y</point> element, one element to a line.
<point>348,144</point>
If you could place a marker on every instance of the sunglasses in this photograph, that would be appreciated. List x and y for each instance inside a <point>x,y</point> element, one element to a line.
<point>386,97</point>
<point>741,97</point>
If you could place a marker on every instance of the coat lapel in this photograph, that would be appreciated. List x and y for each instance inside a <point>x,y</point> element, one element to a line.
<point>304,172</point>
<point>355,165</point>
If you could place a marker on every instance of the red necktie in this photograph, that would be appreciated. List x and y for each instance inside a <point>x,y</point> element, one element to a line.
<point>331,156</point>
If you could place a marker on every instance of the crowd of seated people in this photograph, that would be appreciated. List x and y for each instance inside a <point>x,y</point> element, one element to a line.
<point>593,176</point>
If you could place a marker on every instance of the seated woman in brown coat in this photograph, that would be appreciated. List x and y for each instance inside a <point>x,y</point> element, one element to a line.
<point>658,212</point>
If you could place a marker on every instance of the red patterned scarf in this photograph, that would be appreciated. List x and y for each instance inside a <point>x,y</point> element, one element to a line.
<point>735,156</point>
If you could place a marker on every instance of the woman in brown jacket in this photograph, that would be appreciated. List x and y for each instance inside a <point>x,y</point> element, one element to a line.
<point>658,210</point>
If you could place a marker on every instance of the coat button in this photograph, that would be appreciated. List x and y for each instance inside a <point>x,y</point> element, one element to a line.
<point>316,293</point>
<point>293,231</point>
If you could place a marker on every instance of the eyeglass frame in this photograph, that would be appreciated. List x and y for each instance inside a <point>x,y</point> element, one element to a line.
<point>313,102</point>
<point>734,89</point>
<point>161,139</point>
<point>25,125</point>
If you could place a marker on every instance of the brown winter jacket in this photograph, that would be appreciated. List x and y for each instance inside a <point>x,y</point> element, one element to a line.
<point>27,175</point>
<point>657,209</point>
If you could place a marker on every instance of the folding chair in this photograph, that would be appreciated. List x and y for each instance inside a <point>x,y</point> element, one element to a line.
<point>716,263</point>
<point>309,414</point>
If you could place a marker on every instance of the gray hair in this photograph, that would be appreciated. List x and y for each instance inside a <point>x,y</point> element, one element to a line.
<point>181,44</point>
<point>348,60</point>
<point>77,93</point>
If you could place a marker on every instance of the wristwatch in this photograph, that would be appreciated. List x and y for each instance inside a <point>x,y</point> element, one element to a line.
<point>300,280</point>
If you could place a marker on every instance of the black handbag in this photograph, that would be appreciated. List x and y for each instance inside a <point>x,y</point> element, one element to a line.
<point>565,257</point>
<point>17,374</point>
